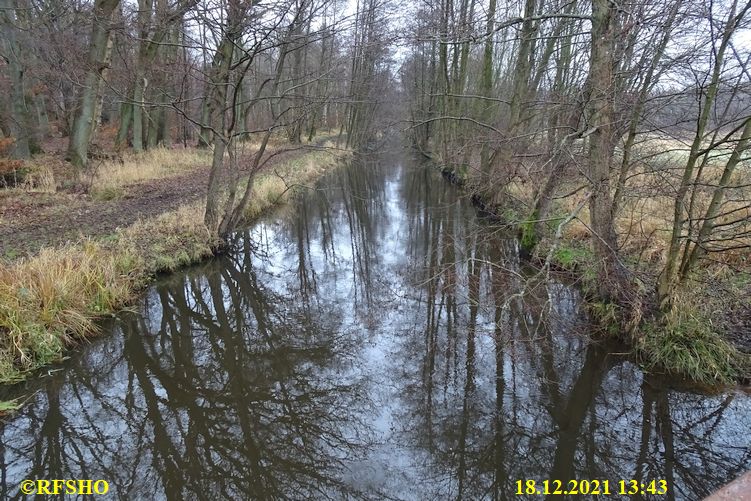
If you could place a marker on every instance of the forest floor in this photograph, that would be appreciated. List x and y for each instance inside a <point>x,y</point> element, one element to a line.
<point>72,251</point>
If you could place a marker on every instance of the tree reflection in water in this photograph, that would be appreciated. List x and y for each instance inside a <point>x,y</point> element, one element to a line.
<point>504,386</point>
<point>379,343</point>
<point>227,391</point>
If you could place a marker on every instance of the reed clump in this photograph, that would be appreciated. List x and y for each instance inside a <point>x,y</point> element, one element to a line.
<point>49,301</point>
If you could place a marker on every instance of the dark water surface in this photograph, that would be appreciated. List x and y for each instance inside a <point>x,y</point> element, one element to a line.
<point>379,343</point>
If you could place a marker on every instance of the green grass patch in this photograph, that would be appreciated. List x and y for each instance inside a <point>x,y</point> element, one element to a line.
<point>572,258</point>
<point>685,343</point>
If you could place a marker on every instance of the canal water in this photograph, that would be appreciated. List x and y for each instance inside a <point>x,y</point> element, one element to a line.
<point>377,342</point>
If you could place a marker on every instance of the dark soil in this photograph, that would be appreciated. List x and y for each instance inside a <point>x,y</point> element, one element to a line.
<point>29,221</point>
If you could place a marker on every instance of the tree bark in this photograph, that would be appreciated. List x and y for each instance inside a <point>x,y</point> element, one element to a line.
<point>611,274</point>
<point>19,114</point>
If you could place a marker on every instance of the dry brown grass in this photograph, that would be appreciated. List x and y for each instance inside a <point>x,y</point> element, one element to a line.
<point>277,186</point>
<point>171,240</point>
<point>51,299</point>
<point>645,219</point>
<point>157,163</point>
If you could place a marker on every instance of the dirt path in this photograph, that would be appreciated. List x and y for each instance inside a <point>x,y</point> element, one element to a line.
<point>29,220</point>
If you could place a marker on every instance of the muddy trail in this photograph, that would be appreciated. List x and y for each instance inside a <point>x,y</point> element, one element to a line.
<point>32,220</point>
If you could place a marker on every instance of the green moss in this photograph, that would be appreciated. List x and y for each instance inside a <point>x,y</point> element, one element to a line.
<point>528,238</point>
<point>573,258</point>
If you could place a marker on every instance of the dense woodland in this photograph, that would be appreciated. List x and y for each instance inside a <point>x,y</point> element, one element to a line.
<point>612,135</point>
<point>114,76</point>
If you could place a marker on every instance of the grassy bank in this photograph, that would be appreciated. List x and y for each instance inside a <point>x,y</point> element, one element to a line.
<point>689,341</point>
<point>705,336</point>
<point>50,301</point>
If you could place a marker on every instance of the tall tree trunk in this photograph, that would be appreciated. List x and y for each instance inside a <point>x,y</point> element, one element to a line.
<point>80,137</point>
<point>138,111</point>
<point>99,95</point>
<point>612,280</point>
<point>19,113</point>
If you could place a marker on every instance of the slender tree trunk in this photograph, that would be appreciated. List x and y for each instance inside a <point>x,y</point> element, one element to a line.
<point>126,117</point>
<point>217,103</point>
<point>43,121</point>
<point>612,285</point>
<point>486,90</point>
<point>667,279</point>
<point>138,115</point>
<point>638,109</point>
<point>713,211</point>
<point>204,134</point>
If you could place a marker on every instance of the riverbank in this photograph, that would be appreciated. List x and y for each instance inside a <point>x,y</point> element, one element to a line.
<point>705,337</point>
<point>69,258</point>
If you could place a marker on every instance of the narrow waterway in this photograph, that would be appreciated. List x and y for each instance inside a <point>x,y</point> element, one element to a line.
<point>377,342</point>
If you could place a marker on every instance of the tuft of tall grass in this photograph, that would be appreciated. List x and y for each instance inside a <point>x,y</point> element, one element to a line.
<point>684,342</point>
<point>40,177</point>
<point>49,301</point>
